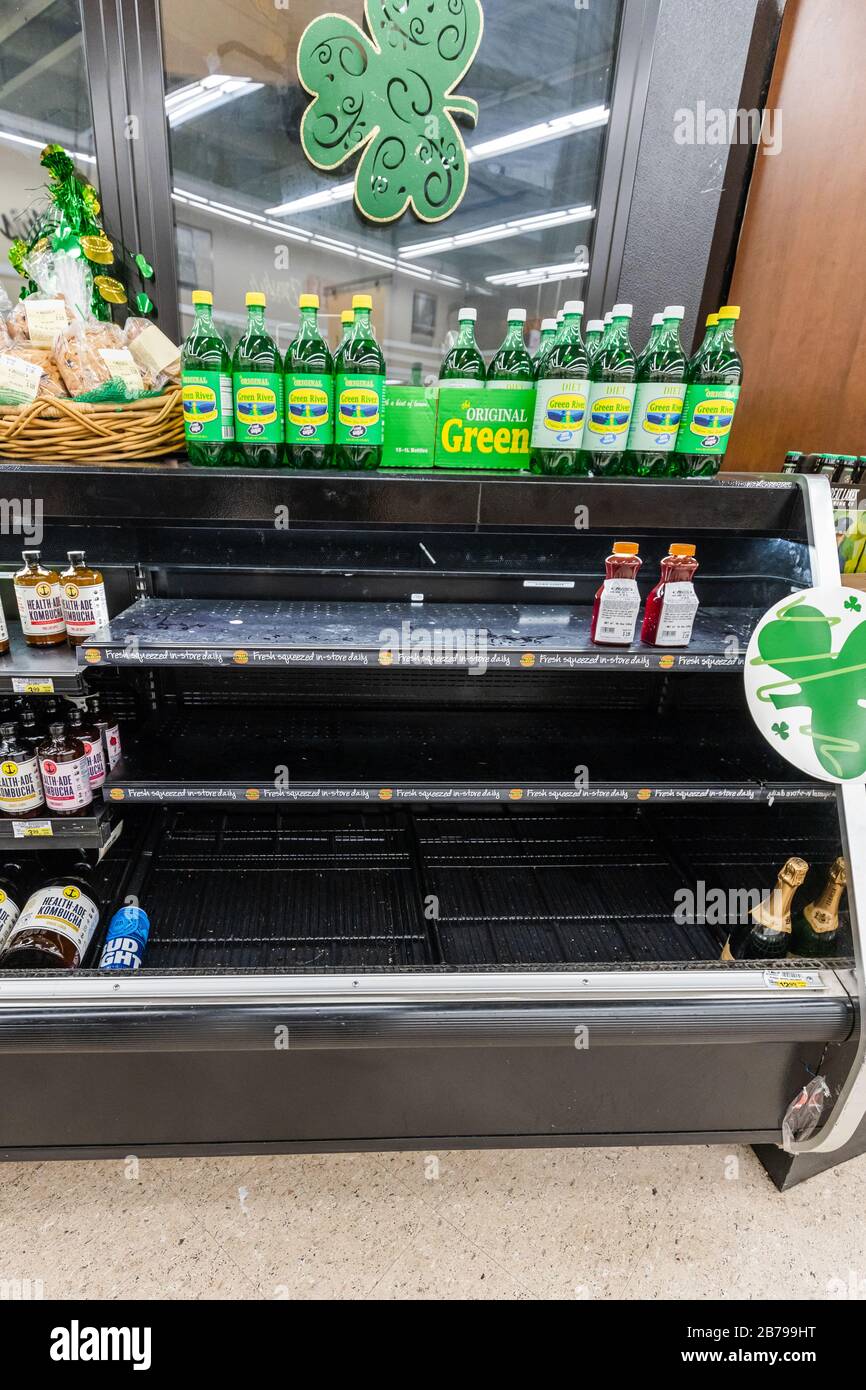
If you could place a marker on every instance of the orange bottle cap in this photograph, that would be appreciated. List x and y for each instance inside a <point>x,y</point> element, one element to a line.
<point>683,551</point>
<point>626,548</point>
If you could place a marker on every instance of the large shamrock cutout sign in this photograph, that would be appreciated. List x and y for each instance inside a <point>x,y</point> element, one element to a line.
<point>807,657</point>
<point>393,94</point>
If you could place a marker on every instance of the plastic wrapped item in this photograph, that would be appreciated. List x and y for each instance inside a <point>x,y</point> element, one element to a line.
<point>57,274</point>
<point>39,318</point>
<point>157,356</point>
<point>805,1113</point>
<point>51,382</point>
<point>93,358</point>
<point>5,339</point>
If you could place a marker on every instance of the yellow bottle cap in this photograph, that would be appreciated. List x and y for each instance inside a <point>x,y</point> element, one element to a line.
<point>712,320</point>
<point>309,301</point>
<point>683,552</point>
<point>730,311</point>
<point>362,301</point>
<point>348,316</point>
<point>202,297</point>
<point>254,297</point>
<point>626,548</point>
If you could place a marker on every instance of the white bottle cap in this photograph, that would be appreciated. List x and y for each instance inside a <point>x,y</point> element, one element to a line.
<point>658,320</point>
<point>560,316</point>
<point>574,306</point>
<point>595,326</point>
<point>675,311</point>
<point>548,325</point>
<point>517,316</point>
<point>468,314</point>
<point>608,318</point>
<point>623,311</point>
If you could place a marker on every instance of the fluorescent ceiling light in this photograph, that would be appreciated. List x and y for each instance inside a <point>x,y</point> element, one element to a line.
<point>588,119</point>
<point>40,145</point>
<point>499,231</point>
<point>190,101</point>
<point>571,270</point>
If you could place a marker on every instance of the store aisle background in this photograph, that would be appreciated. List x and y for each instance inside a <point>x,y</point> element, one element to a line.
<point>660,1223</point>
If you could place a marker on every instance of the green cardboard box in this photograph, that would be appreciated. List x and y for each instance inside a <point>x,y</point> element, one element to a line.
<point>410,426</point>
<point>488,429</point>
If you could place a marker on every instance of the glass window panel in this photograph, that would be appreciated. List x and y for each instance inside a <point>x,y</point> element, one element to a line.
<point>44,97</point>
<point>542,78</point>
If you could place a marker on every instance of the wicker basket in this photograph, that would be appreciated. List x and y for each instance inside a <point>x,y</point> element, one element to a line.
<point>54,430</point>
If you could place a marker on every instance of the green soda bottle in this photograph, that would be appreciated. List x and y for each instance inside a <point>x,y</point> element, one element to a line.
<point>206,388</point>
<point>347,318</point>
<point>709,339</point>
<point>611,398</point>
<point>257,375</point>
<point>512,365</point>
<point>561,401</point>
<point>464,367</point>
<point>549,329</point>
<point>714,384</point>
<point>594,333</point>
<point>360,390</point>
<point>309,393</point>
<point>658,408</point>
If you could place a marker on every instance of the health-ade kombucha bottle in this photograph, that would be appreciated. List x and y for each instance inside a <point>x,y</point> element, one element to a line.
<point>206,389</point>
<point>82,595</point>
<point>309,393</point>
<point>107,725</point>
<point>83,728</point>
<point>617,603</point>
<point>257,378</point>
<point>360,392</point>
<point>20,783</point>
<point>56,925</point>
<point>12,898</point>
<point>65,774</point>
<point>561,401</point>
<point>671,609</point>
<point>464,367</point>
<point>37,592</point>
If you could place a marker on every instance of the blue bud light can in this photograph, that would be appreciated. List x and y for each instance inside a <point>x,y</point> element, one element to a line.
<point>126,940</point>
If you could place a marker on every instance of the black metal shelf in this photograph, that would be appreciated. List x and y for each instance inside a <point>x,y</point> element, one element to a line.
<point>38,670</point>
<point>294,756</point>
<point>256,634</point>
<point>92,831</point>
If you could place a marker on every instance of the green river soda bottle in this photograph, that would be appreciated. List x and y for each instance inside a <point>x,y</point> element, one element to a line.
<point>512,364</point>
<point>464,367</point>
<point>714,384</point>
<point>309,393</point>
<point>709,339</point>
<point>661,374</point>
<point>549,331</point>
<point>594,332</point>
<point>611,398</point>
<point>561,401</point>
<point>360,391</point>
<point>347,318</point>
<point>257,375</point>
<point>206,387</point>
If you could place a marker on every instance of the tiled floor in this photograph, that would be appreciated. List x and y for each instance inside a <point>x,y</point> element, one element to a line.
<point>561,1223</point>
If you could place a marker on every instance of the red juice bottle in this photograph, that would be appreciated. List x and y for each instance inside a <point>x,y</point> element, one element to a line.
<point>617,603</point>
<point>672,606</point>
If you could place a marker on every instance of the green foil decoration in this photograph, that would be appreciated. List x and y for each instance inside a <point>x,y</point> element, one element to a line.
<point>392,97</point>
<point>143,303</point>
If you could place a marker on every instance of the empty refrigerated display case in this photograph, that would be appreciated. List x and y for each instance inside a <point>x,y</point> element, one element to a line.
<point>418,857</point>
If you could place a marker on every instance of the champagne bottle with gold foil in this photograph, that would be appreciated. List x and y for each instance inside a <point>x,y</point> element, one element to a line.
<point>768,936</point>
<point>817,926</point>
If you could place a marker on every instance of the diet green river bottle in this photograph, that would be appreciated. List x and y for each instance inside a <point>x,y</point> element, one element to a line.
<point>512,365</point>
<point>309,393</point>
<point>464,367</point>
<point>594,332</point>
<point>611,397</point>
<point>715,381</point>
<point>257,376</point>
<point>549,330</point>
<point>360,393</point>
<point>658,408</point>
<point>561,401</point>
<point>206,388</point>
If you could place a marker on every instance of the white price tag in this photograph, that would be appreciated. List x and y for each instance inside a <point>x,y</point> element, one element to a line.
<point>31,829</point>
<point>121,363</point>
<point>45,319</point>
<point>31,685</point>
<point>793,979</point>
<point>19,380</point>
<point>153,351</point>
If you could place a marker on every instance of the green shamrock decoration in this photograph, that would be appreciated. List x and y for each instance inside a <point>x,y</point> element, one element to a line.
<point>798,643</point>
<point>853,604</point>
<point>392,97</point>
<point>783,730</point>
